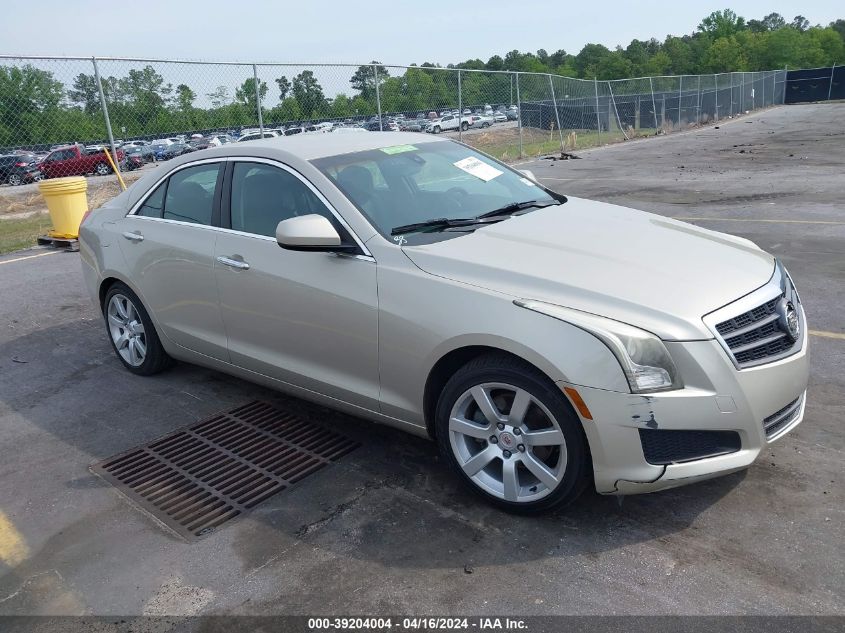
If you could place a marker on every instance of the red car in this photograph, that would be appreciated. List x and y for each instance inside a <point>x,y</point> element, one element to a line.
<point>74,160</point>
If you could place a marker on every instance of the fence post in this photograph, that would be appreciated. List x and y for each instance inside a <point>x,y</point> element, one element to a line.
<point>716,82</point>
<point>698,102</point>
<point>764,90</point>
<point>598,112</point>
<point>742,93</point>
<point>829,86</point>
<point>616,110</point>
<point>557,114</point>
<point>680,98</point>
<point>105,112</point>
<point>378,98</point>
<point>653,104</point>
<point>519,114</point>
<point>258,100</point>
<point>460,110</point>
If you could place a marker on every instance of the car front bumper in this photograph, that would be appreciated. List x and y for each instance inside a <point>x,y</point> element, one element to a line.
<point>716,397</point>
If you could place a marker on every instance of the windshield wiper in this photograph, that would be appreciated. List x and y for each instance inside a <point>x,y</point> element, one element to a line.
<point>436,223</point>
<point>509,209</point>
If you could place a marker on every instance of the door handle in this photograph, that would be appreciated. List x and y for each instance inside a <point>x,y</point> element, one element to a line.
<point>135,237</point>
<point>233,263</point>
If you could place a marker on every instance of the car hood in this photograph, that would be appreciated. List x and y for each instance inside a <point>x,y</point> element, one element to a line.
<point>643,269</point>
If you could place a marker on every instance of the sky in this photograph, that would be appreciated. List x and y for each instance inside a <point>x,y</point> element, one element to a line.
<point>398,32</point>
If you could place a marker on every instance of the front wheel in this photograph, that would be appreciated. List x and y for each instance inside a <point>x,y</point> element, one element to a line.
<point>464,126</point>
<point>436,129</point>
<point>15,180</point>
<point>511,435</point>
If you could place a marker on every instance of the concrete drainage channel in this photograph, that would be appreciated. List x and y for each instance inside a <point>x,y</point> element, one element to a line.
<point>196,479</point>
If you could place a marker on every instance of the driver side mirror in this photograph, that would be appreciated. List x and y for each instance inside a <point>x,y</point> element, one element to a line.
<point>311,233</point>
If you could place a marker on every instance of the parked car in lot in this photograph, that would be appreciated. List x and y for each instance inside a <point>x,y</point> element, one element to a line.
<point>446,123</point>
<point>386,126</point>
<point>413,125</point>
<point>133,161</point>
<point>176,149</point>
<point>499,116</point>
<point>253,136</point>
<point>74,160</point>
<point>545,342</point>
<point>160,149</point>
<point>480,120</point>
<point>18,169</point>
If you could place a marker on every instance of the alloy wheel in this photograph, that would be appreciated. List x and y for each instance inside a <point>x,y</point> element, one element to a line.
<point>507,442</point>
<point>14,180</point>
<point>127,330</point>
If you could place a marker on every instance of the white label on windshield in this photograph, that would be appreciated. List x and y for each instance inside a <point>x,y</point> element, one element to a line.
<point>475,167</point>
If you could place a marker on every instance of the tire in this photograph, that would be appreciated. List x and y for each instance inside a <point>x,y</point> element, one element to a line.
<point>436,129</point>
<point>485,464</point>
<point>464,126</point>
<point>102,169</point>
<point>485,125</point>
<point>15,180</point>
<point>131,332</point>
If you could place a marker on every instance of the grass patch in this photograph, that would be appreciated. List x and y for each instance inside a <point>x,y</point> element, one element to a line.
<point>504,144</point>
<point>22,233</point>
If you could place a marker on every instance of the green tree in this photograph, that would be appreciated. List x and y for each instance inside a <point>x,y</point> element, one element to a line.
<point>364,79</point>
<point>185,97</point>
<point>219,97</point>
<point>309,94</point>
<point>800,23</point>
<point>284,87</point>
<point>588,59</point>
<point>725,55</point>
<point>29,102</point>
<point>85,92</point>
<point>722,24</point>
<point>245,93</point>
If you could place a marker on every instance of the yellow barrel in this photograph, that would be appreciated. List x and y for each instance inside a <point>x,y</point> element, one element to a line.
<point>67,203</point>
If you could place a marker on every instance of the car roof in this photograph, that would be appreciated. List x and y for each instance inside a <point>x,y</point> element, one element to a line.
<point>311,146</point>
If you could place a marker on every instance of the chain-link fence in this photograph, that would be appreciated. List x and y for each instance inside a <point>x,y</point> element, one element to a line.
<point>155,109</point>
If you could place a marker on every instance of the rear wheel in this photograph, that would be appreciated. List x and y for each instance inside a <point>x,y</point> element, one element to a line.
<point>511,435</point>
<point>132,334</point>
<point>15,179</point>
<point>464,126</point>
<point>102,169</point>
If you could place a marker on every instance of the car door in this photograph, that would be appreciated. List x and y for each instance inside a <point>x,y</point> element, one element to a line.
<point>56,164</point>
<point>168,243</point>
<point>307,318</point>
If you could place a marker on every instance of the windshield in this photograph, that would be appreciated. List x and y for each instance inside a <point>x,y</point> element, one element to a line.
<point>408,184</point>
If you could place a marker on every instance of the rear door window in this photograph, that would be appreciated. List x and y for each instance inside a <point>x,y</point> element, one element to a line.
<point>190,194</point>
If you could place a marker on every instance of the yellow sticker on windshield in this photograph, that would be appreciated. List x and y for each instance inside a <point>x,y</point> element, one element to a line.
<point>398,149</point>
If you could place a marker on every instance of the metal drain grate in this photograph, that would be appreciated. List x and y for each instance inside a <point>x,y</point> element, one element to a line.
<point>196,479</point>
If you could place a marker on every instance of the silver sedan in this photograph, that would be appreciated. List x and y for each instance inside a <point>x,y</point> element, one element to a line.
<point>546,343</point>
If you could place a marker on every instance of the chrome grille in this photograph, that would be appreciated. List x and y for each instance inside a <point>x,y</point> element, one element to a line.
<point>755,336</point>
<point>782,418</point>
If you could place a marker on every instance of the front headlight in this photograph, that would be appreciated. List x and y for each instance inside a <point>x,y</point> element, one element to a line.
<point>643,357</point>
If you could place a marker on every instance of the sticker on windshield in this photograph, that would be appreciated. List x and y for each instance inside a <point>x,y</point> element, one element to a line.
<point>398,149</point>
<point>475,167</point>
